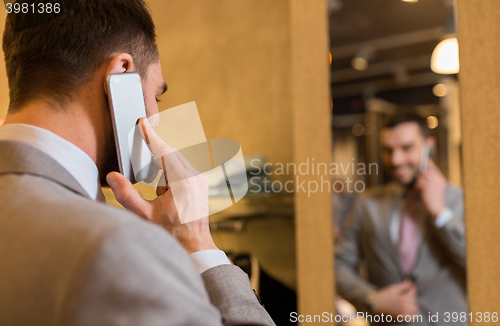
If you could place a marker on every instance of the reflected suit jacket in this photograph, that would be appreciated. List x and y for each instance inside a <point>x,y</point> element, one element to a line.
<point>440,269</point>
<point>68,260</point>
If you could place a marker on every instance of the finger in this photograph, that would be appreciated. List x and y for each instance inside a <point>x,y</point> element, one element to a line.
<point>422,182</point>
<point>411,309</point>
<point>128,196</point>
<point>418,181</point>
<point>404,286</point>
<point>414,308</point>
<point>412,291</point>
<point>192,171</point>
<point>155,144</point>
<point>410,304</point>
<point>425,175</point>
<point>431,165</point>
<point>434,169</point>
<point>162,151</point>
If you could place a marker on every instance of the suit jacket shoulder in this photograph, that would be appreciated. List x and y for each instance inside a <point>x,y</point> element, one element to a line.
<point>71,260</point>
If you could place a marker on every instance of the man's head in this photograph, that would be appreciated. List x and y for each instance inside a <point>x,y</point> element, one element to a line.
<point>401,140</point>
<point>64,62</point>
<point>54,59</point>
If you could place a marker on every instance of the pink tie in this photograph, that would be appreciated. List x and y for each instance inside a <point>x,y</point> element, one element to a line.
<point>408,240</point>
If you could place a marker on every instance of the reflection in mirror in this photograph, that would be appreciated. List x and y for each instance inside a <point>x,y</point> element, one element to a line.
<point>399,239</point>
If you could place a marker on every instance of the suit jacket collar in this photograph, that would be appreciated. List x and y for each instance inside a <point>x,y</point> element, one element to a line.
<point>19,158</point>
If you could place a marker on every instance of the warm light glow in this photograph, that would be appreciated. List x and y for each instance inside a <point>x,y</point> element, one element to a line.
<point>1,122</point>
<point>358,129</point>
<point>440,90</point>
<point>365,54</point>
<point>409,0</point>
<point>330,55</point>
<point>360,64</point>
<point>444,58</point>
<point>432,122</point>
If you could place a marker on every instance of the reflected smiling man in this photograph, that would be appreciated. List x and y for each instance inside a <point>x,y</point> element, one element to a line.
<point>66,258</point>
<point>409,236</point>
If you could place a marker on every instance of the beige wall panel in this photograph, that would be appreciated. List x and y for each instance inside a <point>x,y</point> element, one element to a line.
<point>312,139</point>
<point>233,59</point>
<point>479,37</point>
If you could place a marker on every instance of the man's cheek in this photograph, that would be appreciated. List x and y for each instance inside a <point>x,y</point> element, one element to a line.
<point>153,117</point>
<point>152,109</point>
<point>416,162</point>
<point>151,105</point>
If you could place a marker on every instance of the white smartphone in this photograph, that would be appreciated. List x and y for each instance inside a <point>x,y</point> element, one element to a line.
<point>424,158</point>
<point>126,102</point>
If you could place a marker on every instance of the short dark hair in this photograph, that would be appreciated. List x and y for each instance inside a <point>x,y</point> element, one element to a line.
<point>405,117</point>
<point>55,58</point>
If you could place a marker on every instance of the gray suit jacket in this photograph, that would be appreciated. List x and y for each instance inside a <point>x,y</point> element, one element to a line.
<point>68,260</point>
<point>440,269</point>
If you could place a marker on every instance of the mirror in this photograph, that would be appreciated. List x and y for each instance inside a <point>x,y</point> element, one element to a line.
<point>402,236</point>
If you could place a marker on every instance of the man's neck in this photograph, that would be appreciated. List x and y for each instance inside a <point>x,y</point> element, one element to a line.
<point>72,123</point>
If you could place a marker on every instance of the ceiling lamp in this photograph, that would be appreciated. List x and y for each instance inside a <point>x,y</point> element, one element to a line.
<point>440,90</point>
<point>360,64</point>
<point>444,59</point>
<point>432,122</point>
<point>360,61</point>
<point>358,130</point>
<point>410,0</point>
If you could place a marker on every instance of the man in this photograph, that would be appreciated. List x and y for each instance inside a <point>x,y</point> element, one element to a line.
<point>409,235</point>
<point>66,258</point>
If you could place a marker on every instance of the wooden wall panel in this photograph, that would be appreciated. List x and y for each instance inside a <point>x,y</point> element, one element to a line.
<point>312,139</point>
<point>479,39</point>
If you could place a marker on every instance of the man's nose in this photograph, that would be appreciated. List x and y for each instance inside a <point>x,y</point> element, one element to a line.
<point>397,158</point>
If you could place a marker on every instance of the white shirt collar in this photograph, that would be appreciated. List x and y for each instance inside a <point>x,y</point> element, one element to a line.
<point>68,155</point>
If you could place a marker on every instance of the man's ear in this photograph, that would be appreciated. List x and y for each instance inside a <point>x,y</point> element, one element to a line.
<point>119,64</point>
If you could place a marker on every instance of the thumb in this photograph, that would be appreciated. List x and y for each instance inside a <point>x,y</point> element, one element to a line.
<point>412,291</point>
<point>405,286</point>
<point>127,195</point>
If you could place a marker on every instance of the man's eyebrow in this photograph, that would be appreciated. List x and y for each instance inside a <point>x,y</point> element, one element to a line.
<point>164,88</point>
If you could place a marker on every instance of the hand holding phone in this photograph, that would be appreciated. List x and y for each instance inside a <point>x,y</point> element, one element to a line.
<point>182,208</point>
<point>431,184</point>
